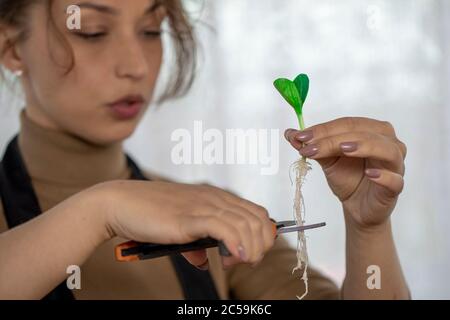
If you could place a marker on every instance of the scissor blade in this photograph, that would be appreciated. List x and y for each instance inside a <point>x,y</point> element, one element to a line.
<point>301,228</point>
<point>286,223</point>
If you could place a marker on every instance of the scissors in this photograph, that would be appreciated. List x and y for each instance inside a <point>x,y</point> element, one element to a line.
<point>133,251</point>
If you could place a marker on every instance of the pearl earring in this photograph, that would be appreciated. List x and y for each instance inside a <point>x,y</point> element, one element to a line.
<point>18,73</point>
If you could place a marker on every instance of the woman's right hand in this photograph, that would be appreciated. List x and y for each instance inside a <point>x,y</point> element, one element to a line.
<point>175,213</point>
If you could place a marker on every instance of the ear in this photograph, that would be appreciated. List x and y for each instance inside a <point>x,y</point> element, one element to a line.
<point>10,56</point>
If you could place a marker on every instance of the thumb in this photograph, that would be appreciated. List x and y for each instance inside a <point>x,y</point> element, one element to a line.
<point>198,258</point>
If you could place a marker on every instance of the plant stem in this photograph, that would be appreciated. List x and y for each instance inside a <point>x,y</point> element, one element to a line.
<point>301,122</point>
<point>302,127</point>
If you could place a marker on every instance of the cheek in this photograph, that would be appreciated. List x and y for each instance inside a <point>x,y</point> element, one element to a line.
<point>71,102</point>
<point>156,68</point>
<point>94,75</point>
<point>76,101</point>
<point>45,88</point>
<point>155,62</point>
<point>154,59</point>
<point>53,91</point>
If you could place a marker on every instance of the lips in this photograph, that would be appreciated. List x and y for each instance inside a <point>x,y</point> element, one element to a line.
<point>127,107</point>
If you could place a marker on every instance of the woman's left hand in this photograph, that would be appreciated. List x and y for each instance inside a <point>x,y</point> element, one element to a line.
<point>363,162</point>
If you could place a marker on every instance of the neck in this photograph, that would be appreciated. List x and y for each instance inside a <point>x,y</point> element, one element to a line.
<point>58,157</point>
<point>38,116</point>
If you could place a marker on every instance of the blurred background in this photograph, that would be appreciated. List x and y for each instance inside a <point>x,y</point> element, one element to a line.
<point>384,59</point>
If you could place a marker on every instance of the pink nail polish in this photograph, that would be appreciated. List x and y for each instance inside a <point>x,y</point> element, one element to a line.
<point>309,151</point>
<point>242,253</point>
<point>304,136</point>
<point>349,146</point>
<point>373,173</point>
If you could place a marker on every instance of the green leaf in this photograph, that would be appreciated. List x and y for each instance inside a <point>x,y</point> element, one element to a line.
<point>290,93</point>
<point>294,92</point>
<point>302,84</point>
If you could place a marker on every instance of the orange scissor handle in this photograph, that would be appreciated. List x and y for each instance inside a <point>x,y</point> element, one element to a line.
<point>123,246</point>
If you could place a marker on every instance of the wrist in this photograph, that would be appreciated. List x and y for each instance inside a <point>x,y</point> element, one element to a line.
<point>97,208</point>
<point>354,228</point>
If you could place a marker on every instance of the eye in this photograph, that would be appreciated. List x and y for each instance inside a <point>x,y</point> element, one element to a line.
<point>152,33</point>
<point>91,36</point>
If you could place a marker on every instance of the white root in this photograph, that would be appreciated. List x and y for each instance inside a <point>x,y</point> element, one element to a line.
<point>301,168</point>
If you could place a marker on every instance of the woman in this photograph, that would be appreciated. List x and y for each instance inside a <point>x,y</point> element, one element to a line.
<point>70,194</point>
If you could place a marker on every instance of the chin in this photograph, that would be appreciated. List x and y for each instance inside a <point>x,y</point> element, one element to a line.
<point>112,134</point>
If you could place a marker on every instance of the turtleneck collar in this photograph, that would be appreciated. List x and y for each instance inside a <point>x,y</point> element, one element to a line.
<point>60,158</point>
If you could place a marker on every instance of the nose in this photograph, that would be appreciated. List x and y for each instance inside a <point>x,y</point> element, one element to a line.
<point>131,61</point>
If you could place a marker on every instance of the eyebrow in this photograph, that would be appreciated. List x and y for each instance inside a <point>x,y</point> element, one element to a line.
<point>109,10</point>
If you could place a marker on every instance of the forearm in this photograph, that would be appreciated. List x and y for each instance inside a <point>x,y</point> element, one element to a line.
<point>34,256</point>
<point>376,248</point>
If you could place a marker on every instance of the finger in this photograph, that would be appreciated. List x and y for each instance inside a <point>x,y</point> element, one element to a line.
<point>342,125</point>
<point>402,147</point>
<point>293,139</point>
<point>260,222</point>
<point>391,181</point>
<point>262,227</point>
<point>292,136</point>
<point>247,234</point>
<point>199,227</point>
<point>256,230</point>
<point>198,258</point>
<point>350,124</point>
<point>228,262</point>
<point>358,145</point>
<point>245,223</point>
<point>339,126</point>
<point>229,196</point>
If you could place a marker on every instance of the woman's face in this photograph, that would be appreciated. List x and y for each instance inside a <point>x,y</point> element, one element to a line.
<point>117,55</point>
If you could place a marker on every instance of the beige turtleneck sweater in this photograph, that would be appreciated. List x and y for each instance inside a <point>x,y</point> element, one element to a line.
<point>61,165</point>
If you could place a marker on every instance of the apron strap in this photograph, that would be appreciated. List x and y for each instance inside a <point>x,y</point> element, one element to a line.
<point>20,202</point>
<point>20,205</point>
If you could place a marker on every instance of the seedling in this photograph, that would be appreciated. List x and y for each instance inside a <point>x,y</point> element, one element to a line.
<point>295,93</point>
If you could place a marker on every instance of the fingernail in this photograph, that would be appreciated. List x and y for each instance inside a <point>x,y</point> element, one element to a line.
<point>373,173</point>
<point>286,133</point>
<point>309,151</point>
<point>204,266</point>
<point>242,253</point>
<point>349,146</point>
<point>304,136</point>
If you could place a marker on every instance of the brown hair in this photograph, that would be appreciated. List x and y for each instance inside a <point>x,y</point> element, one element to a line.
<point>14,13</point>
